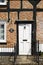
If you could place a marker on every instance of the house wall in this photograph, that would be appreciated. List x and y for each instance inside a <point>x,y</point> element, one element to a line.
<point>12,37</point>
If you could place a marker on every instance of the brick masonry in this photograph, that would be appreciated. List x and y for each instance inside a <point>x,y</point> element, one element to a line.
<point>11,37</point>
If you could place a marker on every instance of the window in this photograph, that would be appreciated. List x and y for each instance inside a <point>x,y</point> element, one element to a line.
<point>3,2</point>
<point>2,32</point>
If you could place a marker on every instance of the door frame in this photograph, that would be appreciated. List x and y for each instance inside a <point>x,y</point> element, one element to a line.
<point>17,24</point>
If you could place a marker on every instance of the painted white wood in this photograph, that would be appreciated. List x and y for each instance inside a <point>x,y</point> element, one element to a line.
<point>3,3</point>
<point>25,34</point>
<point>41,47</point>
<point>4,23</point>
<point>6,49</point>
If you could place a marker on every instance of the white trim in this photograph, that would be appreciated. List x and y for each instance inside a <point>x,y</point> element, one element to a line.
<point>3,22</point>
<point>25,34</point>
<point>6,49</point>
<point>41,47</point>
<point>5,31</point>
<point>3,3</point>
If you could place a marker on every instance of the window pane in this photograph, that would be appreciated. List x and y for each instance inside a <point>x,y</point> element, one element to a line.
<point>2,32</point>
<point>1,0</point>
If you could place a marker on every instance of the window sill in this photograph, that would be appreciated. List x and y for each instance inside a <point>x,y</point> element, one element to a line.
<point>5,3</point>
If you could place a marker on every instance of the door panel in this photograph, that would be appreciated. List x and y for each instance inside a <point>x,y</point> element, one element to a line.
<point>25,39</point>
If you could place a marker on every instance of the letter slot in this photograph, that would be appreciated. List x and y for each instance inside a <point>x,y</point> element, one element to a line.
<point>24,40</point>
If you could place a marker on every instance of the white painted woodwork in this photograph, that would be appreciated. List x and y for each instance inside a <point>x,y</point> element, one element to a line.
<point>25,34</point>
<point>6,49</point>
<point>3,3</point>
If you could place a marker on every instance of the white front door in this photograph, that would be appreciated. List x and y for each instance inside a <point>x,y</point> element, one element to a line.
<point>25,39</point>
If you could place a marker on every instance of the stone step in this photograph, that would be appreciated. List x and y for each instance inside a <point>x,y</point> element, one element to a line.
<point>20,58</point>
<point>24,60</point>
<point>25,63</point>
<point>25,56</point>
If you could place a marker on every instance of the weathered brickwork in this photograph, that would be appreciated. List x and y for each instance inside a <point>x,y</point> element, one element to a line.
<point>16,4</point>
<point>40,26</point>
<point>27,4</point>
<point>40,5</point>
<point>3,16</point>
<point>26,16</point>
<point>12,37</point>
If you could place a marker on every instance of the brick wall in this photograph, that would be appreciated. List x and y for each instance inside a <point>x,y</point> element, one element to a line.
<point>11,37</point>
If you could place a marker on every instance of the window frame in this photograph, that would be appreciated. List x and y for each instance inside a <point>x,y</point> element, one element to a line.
<point>4,40</point>
<point>3,3</point>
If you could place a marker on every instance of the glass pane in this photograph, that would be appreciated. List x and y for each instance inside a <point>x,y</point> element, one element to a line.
<point>1,0</point>
<point>2,32</point>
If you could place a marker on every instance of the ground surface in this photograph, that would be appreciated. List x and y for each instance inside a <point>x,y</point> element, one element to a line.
<point>20,60</point>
